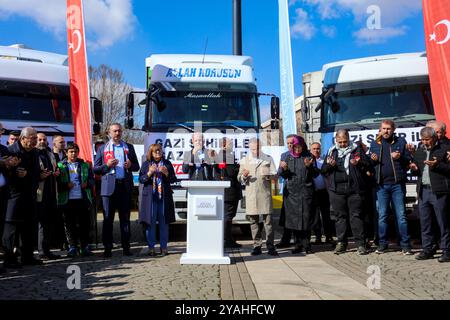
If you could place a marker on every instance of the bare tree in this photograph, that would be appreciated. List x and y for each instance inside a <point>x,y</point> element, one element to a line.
<point>110,87</point>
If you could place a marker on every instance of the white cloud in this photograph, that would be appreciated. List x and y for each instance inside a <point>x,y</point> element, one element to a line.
<point>392,14</point>
<point>302,26</point>
<point>106,21</point>
<point>329,31</point>
<point>376,36</point>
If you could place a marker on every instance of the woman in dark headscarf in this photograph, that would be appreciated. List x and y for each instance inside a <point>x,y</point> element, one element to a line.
<point>298,170</point>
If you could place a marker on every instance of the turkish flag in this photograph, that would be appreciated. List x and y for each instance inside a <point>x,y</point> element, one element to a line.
<point>79,83</point>
<point>436,14</point>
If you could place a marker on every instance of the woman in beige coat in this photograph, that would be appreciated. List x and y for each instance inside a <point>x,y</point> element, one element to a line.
<point>256,171</point>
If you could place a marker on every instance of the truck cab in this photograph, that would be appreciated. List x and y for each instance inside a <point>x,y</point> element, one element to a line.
<point>213,94</point>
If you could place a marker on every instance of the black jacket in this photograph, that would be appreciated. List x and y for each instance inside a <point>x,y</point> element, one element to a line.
<point>3,153</point>
<point>357,172</point>
<point>229,173</point>
<point>400,166</point>
<point>205,172</point>
<point>298,193</point>
<point>23,191</point>
<point>440,174</point>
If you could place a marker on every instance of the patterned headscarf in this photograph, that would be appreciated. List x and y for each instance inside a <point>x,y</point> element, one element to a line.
<point>298,141</point>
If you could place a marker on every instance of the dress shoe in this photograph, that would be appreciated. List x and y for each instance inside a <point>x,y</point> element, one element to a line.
<point>107,253</point>
<point>297,249</point>
<point>256,251</point>
<point>233,244</point>
<point>164,252</point>
<point>434,248</point>
<point>445,257</point>
<point>12,264</point>
<point>283,245</point>
<point>127,252</point>
<point>424,255</point>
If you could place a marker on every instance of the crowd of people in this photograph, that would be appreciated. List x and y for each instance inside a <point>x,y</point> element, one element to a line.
<point>48,195</point>
<point>360,184</point>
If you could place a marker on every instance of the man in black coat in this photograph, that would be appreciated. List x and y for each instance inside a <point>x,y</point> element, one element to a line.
<point>115,161</point>
<point>46,197</point>
<point>433,168</point>
<point>198,162</point>
<point>21,211</point>
<point>6,162</point>
<point>226,169</point>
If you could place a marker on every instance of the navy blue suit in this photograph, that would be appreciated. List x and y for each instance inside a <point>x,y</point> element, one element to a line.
<point>116,194</point>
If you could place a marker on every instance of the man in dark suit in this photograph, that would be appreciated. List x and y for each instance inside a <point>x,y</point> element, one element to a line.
<point>198,162</point>
<point>433,168</point>
<point>6,162</point>
<point>226,169</point>
<point>46,197</point>
<point>21,211</point>
<point>115,161</point>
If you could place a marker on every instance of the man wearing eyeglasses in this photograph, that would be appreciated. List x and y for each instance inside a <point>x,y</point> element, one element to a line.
<point>23,181</point>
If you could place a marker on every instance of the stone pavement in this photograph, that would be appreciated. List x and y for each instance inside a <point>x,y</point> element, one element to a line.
<point>321,275</point>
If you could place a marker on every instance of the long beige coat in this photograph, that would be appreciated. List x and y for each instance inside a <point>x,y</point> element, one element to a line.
<point>258,194</point>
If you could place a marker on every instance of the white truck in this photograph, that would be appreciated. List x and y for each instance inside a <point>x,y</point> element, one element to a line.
<point>357,94</point>
<point>35,91</point>
<point>216,92</point>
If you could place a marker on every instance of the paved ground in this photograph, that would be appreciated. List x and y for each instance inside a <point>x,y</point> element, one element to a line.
<point>321,275</point>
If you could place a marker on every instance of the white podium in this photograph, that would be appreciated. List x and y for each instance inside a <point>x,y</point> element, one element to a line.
<point>205,223</point>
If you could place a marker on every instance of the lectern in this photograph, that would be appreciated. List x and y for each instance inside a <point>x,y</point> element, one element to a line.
<point>205,223</point>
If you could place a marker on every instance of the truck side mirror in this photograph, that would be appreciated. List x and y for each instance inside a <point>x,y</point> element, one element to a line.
<point>96,128</point>
<point>305,109</point>
<point>98,111</point>
<point>130,104</point>
<point>129,123</point>
<point>275,108</point>
<point>274,124</point>
<point>335,106</point>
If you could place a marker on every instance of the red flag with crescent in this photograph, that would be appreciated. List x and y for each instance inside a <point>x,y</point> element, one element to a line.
<point>436,15</point>
<point>79,83</point>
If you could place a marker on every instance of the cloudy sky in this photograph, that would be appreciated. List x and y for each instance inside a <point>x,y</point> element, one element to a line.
<point>121,33</point>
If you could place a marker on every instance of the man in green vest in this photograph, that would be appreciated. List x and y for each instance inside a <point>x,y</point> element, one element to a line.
<point>75,185</point>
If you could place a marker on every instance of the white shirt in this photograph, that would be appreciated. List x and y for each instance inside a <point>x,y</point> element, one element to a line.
<point>75,192</point>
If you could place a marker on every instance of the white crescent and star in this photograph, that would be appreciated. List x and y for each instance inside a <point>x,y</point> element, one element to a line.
<point>446,23</point>
<point>76,34</point>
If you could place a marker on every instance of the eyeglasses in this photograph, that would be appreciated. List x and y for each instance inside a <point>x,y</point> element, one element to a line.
<point>157,151</point>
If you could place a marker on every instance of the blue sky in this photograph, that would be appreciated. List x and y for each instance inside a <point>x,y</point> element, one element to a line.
<point>122,33</point>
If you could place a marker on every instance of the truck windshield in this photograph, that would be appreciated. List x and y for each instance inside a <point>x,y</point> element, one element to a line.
<point>35,102</point>
<point>409,102</point>
<point>212,108</point>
